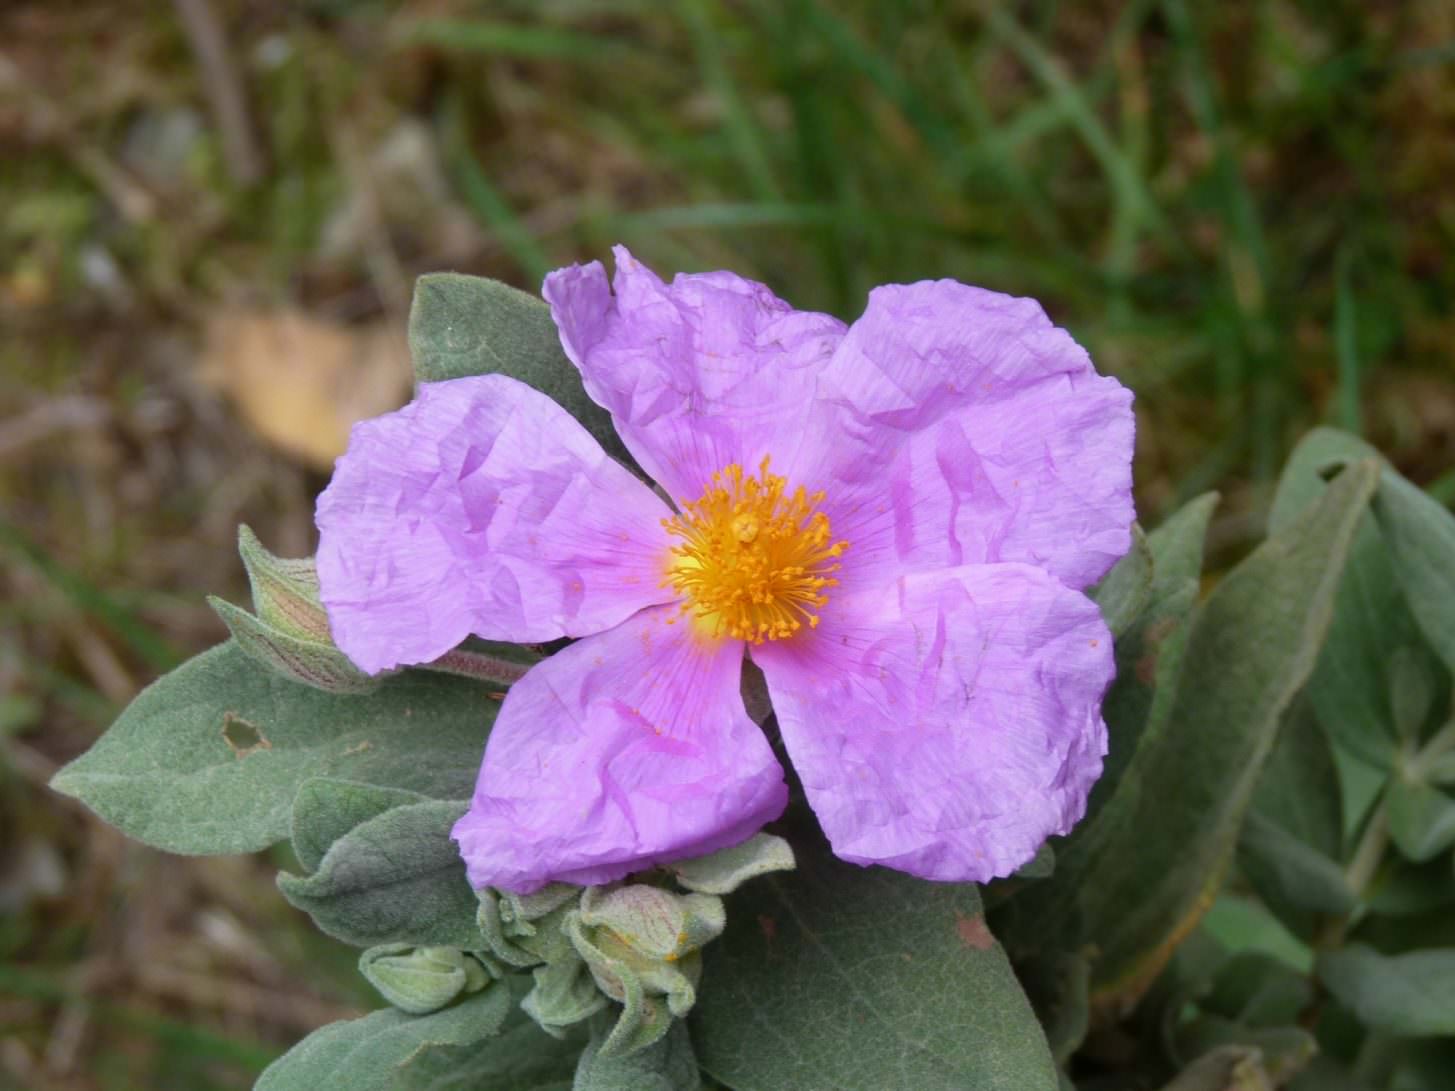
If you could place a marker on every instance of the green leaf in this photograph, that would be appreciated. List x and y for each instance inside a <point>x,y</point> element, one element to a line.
<point>1421,818</point>
<point>1421,537</point>
<point>1141,879</point>
<point>1059,988</point>
<point>1403,889</point>
<point>378,1051</point>
<point>1291,846</point>
<point>521,1058</point>
<point>860,979</point>
<point>461,325</point>
<point>208,758</point>
<point>667,1065</point>
<point>1257,990</point>
<point>327,808</point>
<point>1296,874</point>
<point>1299,788</point>
<point>1410,994</point>
<point>1415,685</point>
<point>1238,923</point>
<point>1125,591</point>
<point>1351,684</point>
<point>1040,866</point>
<point>1149,655</point>
<point>1326,1074</point>
<point>1422,1064</point>
<point>396,878</point>
<point>1415,930</point>
<point>1149,660</point>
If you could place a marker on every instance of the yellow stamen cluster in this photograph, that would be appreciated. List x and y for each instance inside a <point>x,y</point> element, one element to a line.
<point>753,562</point>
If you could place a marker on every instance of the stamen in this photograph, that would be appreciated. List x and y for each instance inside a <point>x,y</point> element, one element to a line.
<point>753,562</point>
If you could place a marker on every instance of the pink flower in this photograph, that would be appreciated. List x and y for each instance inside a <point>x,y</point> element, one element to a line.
<point>895,520</point>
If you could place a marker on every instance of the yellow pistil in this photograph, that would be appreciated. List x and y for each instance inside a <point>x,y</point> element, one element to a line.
<point>754,561</point>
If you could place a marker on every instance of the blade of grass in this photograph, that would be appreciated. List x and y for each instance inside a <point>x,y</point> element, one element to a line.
<point>1126,183</point>
<point>1125,233</point>
<point>43,987</point>
<point>1263,368</point>
<point>488,203</point>
<point>743,131</point>
<point>1346,344</point>
<point>156,652</point>
<point>835,33</point>
<point>512,40</point>
<point>995,152</point>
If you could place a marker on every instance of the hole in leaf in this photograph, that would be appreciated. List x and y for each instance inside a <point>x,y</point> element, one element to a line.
<point>243,737</point>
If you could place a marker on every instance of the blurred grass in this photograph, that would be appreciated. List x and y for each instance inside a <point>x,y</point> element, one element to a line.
<point>1243,211</point>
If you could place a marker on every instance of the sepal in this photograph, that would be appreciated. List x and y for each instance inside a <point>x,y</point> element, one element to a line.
<point>289,633</point>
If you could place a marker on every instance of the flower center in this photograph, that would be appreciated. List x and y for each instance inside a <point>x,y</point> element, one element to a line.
<point>754,560</point>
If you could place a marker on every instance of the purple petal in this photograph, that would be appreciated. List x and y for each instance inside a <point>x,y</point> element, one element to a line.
<point>626,750</point>
<point>706,371</point>
<point>481,507</point>
<point>958,426</point>
<point>947,725</point>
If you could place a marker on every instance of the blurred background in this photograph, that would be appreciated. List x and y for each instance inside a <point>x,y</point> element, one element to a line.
<point>212,211</point>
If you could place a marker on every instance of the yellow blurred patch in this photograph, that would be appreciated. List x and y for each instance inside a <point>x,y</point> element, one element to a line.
<point>300,382</point>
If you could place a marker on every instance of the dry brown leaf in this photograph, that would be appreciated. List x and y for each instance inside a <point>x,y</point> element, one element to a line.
<point>300,381</point>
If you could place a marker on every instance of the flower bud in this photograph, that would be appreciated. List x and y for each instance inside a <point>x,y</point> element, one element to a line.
<point>289,633</point>
<point>525,929</point>
<point>564,994</point>
<point>285,590</point>
<point>654,923</point>
<point>422,979</point>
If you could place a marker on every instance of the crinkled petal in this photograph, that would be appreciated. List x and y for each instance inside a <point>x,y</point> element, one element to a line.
<point>958,426</point>
<point>706,371</point>
<point>626,750</point>
<point>481,507</point>
<point>947,725</point>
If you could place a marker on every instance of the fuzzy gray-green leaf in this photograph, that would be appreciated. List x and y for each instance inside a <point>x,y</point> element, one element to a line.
<point>1146,872</point>
<point>860,979</point>
<point>208,758</point>
<point>522,1057</point>
<point>1127,588</point>
<point>1421,536</point>
<point>666,1065</point>
<point>1149,660</point>
<point>326,808</point>
<point>397,878</point>
<point>1291,848</point>
<point>377,1052</point>
<point>1421,818</point>
<point>1410,994</point>
<point>1149,655</point>
<point>1251,650</point>
<point>1352,681</point>
<point>462,325</point>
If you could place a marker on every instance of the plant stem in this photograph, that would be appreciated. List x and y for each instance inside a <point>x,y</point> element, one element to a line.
<point>1442,743</point>
<point>1368,855</point>
<point>477,665</point>
<point>1370,852</point>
